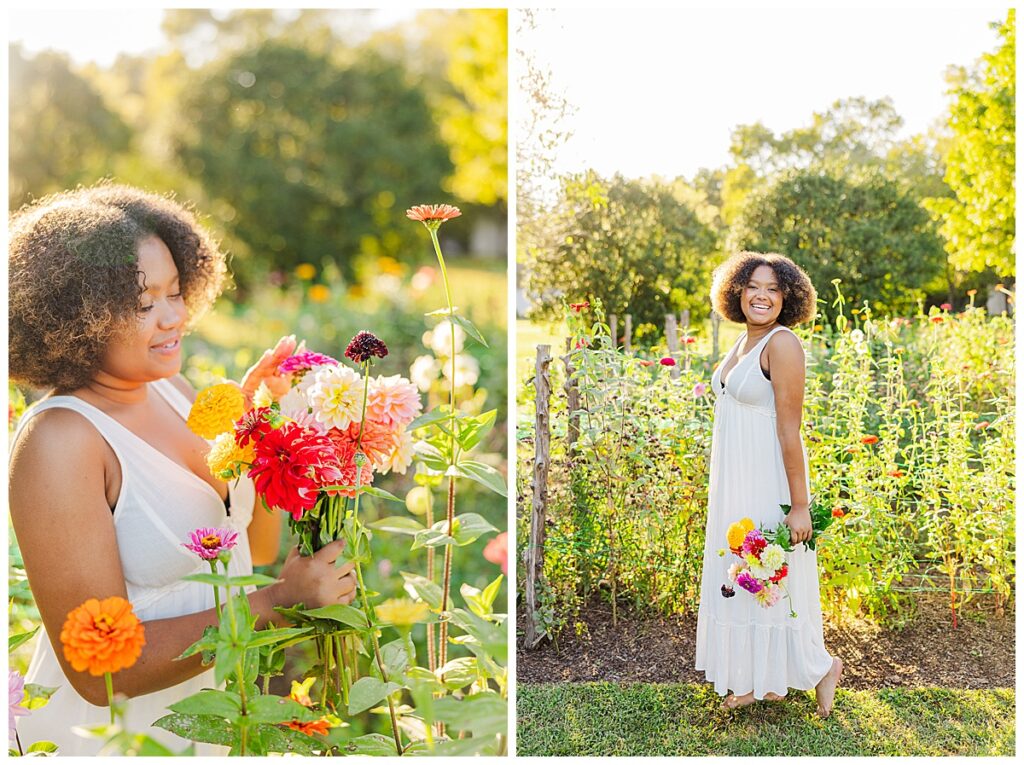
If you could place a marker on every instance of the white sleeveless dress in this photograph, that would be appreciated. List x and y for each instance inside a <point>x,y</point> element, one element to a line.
<point>741,646</point>
<point>160,503</point>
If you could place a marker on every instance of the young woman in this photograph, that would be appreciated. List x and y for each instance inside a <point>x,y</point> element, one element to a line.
<point>758,463</point>
<point>106,480</point>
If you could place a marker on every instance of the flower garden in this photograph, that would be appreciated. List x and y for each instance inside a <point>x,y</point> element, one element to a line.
<point>418,663</point>
<point>909,429</point>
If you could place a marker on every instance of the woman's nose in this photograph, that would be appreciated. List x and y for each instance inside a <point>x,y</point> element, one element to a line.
<point>172,314</point>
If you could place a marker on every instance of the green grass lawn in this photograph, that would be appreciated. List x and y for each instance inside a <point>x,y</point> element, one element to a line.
<point>651,719</point>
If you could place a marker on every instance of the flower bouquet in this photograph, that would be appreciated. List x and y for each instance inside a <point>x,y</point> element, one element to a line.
<point>763,565</point>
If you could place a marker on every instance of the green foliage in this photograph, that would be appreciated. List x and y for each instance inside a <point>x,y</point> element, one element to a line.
<point>308,161</point>
<point>865,230</point>
<point>631,244</point>
<point>909,427</point>
<point>979,224</point>
<point>62,133</point>
<point>643,719</point>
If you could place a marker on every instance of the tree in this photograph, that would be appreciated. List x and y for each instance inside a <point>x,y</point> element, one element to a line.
<point>979,223</point>
<point>864,229</point>
<point>307,161</point>
<point>62,133</point>
<point>630,243</point>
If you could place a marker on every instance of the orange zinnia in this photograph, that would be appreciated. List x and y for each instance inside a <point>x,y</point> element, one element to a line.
<point>869,440</point>
<point>322,726</point>
<point>102,636</point>
<point>424,213</point>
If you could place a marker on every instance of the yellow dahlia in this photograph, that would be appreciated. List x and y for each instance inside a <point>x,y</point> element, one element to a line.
<point>215,410</point>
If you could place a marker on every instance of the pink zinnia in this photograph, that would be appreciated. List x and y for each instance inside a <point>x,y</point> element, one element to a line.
<point>15,696</point>
<point>300,362</point>
<point>432,213</point>
<point>208,543</point>
<point>291,464</point>
<point>748,582</point>
<point>668,361</point>
<point>699,390</point>
<point>946,306</point>
<point>393,401</point>
<point>496,551</point>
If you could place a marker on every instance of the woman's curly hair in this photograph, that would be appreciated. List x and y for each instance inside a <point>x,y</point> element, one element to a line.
<point>74,279</point>
<point>799,298</point>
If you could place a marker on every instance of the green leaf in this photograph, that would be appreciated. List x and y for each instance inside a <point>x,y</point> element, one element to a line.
<point>37,696</point>
<point>432,537</point>
<point>469,527</point>
<point>482,714</point>
<point>397,524</point>
<point>429,418</point>
<point>470,328</point>
<point>483,474</point>
<point>431,456</point>
<point>422,588</point>
<point>470,430</point>
<point>206,644</point>
<point>482,603</point>
<point>287,741</point>
<point>210,702</point>
<point>395,658</point>
<point>458,673</point>
<point>206,729</point>
<point>336,612</point>
<point>373,491</point>
<point>277,709</point>
<point>13,641</point>
<point>464,747</point>
<point>367,692</point>
<point>42,747</point>
<point>370,745</point>
<point>225,663</point>
<point>271,636</point>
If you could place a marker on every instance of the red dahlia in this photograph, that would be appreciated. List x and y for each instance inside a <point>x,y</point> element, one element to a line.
<point>291,465</point>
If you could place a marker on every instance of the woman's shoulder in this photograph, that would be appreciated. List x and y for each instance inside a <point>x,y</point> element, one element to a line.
<point>56,438</point>
<point>784,342</point>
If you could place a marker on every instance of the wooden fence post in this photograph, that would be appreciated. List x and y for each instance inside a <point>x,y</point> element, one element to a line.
<point>716,320</point>
<point>684,320</point>
<point>672,338</point>
<point>629,333</point>
<point>538,515</point>
<point>572,395</point>
<point>613,325</point>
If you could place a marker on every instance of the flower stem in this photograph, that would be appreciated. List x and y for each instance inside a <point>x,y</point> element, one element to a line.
<point>239,664</point>
<point>368,612</point>
<point>108,678</point>
<point>443,647</point>
<point>216,589</point>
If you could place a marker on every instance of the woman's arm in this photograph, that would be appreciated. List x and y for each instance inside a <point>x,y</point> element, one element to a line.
<point>66,534</point>
<point>786,357</point>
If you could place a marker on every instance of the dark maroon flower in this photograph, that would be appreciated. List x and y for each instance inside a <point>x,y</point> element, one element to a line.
<point>364,347</point>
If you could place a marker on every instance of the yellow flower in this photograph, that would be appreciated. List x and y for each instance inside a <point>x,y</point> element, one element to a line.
<point>305,271</point>
<point>300,691</point>
<point>318,293</point>
<point>225,454</point>
<point>402,612</point>
<point>215,410</point>
<point>737,531</point>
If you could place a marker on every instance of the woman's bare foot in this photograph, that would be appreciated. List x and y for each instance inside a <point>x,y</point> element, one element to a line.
<point>773,697</point>
<point>735,702</point>
<point>825,690</point>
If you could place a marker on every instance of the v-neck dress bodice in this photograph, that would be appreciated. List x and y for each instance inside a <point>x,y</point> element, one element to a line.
<point>741,646</point>
<point>160,502</point>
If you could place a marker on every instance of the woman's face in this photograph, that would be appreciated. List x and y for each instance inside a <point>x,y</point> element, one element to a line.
<point>761,298</point>
<point>152,351</point>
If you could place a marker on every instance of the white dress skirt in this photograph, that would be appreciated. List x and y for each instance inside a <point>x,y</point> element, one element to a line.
<point>743,647</point>
<point>160,503</point>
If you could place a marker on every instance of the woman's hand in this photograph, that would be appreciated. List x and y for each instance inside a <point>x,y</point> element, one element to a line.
<point>314,580</point>
<point>799,521</point>
<point>265,370</point>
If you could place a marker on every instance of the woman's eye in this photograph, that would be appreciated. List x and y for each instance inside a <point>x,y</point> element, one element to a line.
<point>145,308</point>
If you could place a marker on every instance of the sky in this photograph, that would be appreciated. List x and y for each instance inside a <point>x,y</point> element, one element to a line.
<point>658,91</point>
<point>88,36</point>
